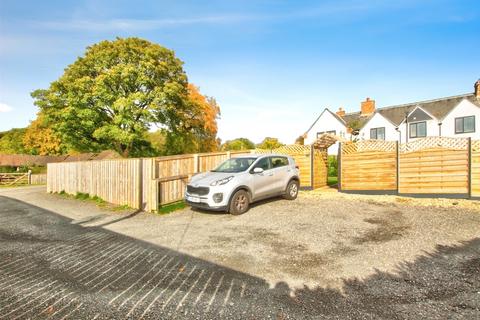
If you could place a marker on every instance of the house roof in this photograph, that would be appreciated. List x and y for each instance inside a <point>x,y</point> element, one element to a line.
<point>439,108</point>
<point>336,116</point>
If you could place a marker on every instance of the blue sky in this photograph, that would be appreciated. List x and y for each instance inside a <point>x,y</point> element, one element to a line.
<point>272,65</point>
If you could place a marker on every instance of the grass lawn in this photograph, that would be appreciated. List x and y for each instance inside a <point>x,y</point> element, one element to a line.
<point>332,180</point>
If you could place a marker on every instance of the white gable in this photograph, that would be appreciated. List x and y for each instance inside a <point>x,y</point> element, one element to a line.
<point>327,122</point>
<point>379,121</point>
<point>464,109</point>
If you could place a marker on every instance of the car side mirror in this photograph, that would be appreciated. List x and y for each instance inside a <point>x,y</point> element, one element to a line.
<point>257,170</point>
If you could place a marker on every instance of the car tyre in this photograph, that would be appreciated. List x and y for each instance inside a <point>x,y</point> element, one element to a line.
<point>292,190</point>
<point>240,203</point>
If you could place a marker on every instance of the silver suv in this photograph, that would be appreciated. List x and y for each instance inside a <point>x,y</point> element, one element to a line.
<point>237,182</point>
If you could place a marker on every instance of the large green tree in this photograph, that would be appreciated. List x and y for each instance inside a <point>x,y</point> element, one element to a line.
<point>270,143</point>
<point>238,144</point>
<point>109,98</point>
<point>11,142</point>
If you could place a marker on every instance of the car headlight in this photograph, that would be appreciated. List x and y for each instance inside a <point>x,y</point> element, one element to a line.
<point>221,181</point>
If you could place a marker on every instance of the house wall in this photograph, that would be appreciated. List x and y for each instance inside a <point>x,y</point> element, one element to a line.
<point>378,121</point>
<point>432,130</point>
<point>327,122</point>
<point>464,109</point>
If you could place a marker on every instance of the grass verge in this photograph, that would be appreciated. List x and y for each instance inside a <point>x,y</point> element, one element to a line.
<point>171,207</point>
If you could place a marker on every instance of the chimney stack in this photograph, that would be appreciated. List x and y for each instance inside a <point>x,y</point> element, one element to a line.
<point>477,89</point>
<point>367,107</point>
<point>340,112</point>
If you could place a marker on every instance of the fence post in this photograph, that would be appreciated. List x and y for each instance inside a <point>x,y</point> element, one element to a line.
<point>196,163</point>
<point>469,167</point>
<point>312,169</point>
<point>140,184</point>
<point>229,154</point>
<point>398,166</point>
<point>339,166</point>
<point>29,177</point>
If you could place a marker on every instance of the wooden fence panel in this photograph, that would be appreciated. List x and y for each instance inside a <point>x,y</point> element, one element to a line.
<point>369,166</point>
<point>115,181</point>
<point>38,178</point>
<point>475,167</point>
<point>210,161</point>
<point>439,171</point>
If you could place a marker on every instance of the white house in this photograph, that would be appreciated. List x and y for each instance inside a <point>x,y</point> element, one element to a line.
<point>457,116</point>
<point>327,122</point>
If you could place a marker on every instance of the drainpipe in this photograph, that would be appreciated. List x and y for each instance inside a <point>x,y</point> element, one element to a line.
<point>439,129</point>
<point>406,127</point>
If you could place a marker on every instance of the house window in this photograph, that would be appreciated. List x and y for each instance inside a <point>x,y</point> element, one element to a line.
<point>418,129</point>
<point>465,124</point>
<point>334,132</point>
<point>377,133</point>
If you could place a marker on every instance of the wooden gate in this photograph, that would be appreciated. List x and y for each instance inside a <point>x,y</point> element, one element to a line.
<point>15,179</point>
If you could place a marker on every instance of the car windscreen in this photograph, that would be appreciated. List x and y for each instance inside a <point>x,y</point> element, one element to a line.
<point>235,165</point>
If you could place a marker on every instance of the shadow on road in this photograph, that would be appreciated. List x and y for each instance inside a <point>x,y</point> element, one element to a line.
<point>51,267</point>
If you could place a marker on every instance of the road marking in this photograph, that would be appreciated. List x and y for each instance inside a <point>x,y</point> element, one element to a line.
<point>204,288</point>
<point>178,288</point>
<point>146,283</point>
<point>29,279</point>
<point>122,258</point>
<point>78,306</point>
<point>40,304</point>
<point>30,301</point>
<point>243,289</point>
<point>145,295</point>
<point>114,256</point>
<point>160,294</point>
<point>190,290</point>
<point>92,256</point>
<point>128,272</point>
<point>215,293</point>
<point>133,284</point>
<point>61,309</point>
<point>90,264</point>
<point>76,250</point>
<point>228,293</point>
<point>28,295</point>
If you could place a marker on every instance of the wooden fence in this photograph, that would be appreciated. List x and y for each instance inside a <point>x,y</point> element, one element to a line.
<point>15,179</point>
<point>428,166</point>
<point>151,182</point>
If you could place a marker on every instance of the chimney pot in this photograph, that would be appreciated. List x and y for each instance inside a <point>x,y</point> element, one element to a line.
<point>340,112</point>
<point>477,89</point>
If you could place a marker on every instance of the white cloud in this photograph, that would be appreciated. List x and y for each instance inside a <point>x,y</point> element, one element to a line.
<point>5,107</point>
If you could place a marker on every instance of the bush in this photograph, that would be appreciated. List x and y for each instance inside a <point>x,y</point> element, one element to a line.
<point>332,166</point>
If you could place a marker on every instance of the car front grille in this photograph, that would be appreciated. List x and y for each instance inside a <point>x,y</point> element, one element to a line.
<point>200,191</point>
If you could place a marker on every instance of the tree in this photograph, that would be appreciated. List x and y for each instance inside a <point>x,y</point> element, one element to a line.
<point>238,144</point>
<point>270,143</point>
<point>109,98</point>
<point>200,130</point>
<point>11,142</point>
<point>42,140</point>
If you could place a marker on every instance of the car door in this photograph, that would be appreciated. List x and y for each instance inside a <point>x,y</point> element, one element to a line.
<point>262,183</point>
<point>281,173</point>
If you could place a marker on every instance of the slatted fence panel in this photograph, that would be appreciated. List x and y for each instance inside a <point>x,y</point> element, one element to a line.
<point>369,165</point>
<point>434,171</point>
<point>115,181</point>
<point>475,174</point>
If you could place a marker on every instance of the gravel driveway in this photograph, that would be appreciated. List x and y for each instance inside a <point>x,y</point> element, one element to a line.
<point>320,256</point>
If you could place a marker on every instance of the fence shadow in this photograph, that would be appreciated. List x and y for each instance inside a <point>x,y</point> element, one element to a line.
<point>50,266</point>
